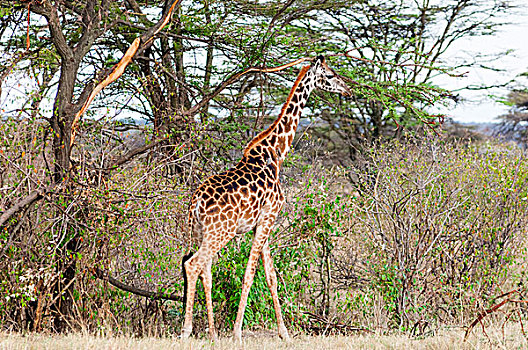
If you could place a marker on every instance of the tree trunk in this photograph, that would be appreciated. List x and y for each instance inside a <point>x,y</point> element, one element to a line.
<point>61,123</point>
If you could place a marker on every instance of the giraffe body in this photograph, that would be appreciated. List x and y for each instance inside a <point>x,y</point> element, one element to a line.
<point>248,196</point>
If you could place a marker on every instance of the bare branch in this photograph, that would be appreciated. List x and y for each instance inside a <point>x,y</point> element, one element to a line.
<point>26,201</point>
<point>141,292</point>
<point>493,309</point>
<point>144,40</point>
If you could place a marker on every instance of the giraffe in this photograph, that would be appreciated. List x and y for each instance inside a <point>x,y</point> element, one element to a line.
<point>249,196</point>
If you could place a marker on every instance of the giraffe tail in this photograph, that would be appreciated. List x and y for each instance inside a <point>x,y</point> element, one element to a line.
<point>184,259</point>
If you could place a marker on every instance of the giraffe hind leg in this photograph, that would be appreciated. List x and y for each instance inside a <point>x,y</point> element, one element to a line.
<point>197,266</point>
<point>185,282</point>
<point>193,267</point>
<point>207,282</point>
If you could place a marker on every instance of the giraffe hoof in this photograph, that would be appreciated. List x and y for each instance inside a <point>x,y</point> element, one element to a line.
<point>185,334</point>
<point>283,333</point>
<point>237,335</point>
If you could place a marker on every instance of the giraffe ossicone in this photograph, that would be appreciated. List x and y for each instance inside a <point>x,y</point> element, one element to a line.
<point>249,196</point>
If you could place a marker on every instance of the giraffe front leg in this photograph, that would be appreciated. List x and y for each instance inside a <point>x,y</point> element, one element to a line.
<point>246,286</point>
<point>271,279</point>
<point>207,281</point>
<point>261,235</point>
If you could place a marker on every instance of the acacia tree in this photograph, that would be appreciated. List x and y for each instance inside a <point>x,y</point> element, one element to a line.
<point>398,47</point>
<point>73,29</point>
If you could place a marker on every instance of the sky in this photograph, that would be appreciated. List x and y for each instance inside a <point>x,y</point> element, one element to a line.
<point>477,106</point>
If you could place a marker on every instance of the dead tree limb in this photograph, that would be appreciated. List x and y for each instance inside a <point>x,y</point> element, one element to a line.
<point>321,325</point>
<point>137,46</point>
<point>24,202</point>
<point>141,292</point>
<point>494,308</point>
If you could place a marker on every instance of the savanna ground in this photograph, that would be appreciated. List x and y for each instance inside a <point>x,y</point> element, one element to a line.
<point>495,336</point>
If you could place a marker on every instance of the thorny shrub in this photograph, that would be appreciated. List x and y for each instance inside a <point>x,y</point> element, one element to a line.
<point>437,232</point>
<point>414,232</point>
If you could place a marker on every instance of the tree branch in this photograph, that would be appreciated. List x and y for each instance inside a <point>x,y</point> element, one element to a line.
<point>138,46</point>
<point>91,31</point>
<point>141,292</point>
<point>26,201</point>
<point>234,77</point>
<point>47,10</point>
<point>134,152</point>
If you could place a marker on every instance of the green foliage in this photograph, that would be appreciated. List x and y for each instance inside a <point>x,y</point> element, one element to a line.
<point>291,266</point>
<point>318,220</point>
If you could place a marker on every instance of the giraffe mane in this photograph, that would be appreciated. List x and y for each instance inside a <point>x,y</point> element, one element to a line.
<point>263,134</point>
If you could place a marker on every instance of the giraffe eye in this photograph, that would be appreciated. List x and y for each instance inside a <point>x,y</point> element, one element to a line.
<point>329,76</point>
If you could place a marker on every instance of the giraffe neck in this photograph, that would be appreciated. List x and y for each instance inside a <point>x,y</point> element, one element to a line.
<point>279,135</point>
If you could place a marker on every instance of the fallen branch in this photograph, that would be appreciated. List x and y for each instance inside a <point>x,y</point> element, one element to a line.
<point>496,307</point>
<point>321,325</point>
<point>141,292</point>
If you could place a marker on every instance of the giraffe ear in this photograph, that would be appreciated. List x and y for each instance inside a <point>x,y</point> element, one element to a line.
<point>320,58</point>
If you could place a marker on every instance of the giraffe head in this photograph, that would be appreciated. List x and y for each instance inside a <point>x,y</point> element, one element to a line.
<point>328,80</point>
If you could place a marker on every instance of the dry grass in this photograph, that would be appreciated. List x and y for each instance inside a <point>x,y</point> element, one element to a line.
<point>447,339</point>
